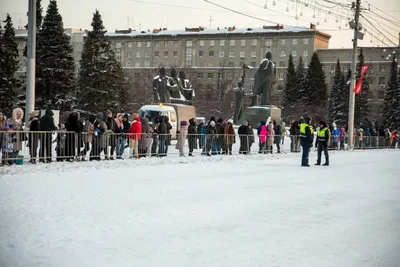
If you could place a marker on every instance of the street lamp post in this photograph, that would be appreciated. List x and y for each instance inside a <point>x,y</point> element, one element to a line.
<point>30,74</point>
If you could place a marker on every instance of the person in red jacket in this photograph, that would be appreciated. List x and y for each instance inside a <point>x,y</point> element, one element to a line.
<point>134,135</point>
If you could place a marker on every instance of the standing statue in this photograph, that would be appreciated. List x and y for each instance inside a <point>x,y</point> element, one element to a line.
<point>264,79</point>
<point>186,87</point>
<point>173,83</point>
<point>161,90</point>
<point>239,97</point>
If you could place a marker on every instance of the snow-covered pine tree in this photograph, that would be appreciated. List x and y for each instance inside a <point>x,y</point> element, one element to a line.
<point>343,109</point>
<point>362,110</point>
<point>123,89</point>
<point>300,85</point>
<point>290,94</point>
<point>55,68</point>
<point>334,107</point>
<point>99,75</point>
<point>391,103</point>
<point>316,94</point>
<point>8,67</point>
<point>22,80</point>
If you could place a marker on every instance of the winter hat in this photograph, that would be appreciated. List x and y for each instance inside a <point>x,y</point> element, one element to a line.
<point>183,123</point>
<point>323,123</point>
<point>126,115</point>
<point>225,122</point>
<point>108,112</point>
<point>34,114</point>
<point>2,114</point>
<point>230,121</point>
<point>212,123</point>
<point>219,120</point>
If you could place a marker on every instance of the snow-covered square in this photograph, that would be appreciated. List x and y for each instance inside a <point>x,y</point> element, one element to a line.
<point>239,211</point>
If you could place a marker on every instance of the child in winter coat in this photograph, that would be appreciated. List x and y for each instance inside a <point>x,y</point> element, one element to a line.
<point>263,138</point>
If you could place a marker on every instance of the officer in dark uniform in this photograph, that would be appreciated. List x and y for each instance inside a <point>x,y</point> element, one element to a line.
<point>306,140</point>
<point>322,142</point>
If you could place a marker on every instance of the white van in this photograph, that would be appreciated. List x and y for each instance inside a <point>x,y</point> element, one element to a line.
<point>154,111</point>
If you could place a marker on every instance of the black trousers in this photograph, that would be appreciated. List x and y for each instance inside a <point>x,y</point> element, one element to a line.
<point>304,156</point>
<point>323,146</point>
<point>45,147</point>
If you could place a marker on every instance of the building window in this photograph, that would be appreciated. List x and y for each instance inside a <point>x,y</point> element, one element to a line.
<point>254,42</point>
<point>222,43</point>
<point>294,53</point>
<point>210,75</point>
<point>253,54</point>
<point>305,53</point>
<point>175,54</point>
<point>210,65</point>
<point>282,64</point>
<point>128,64</point>
<point>156,54</point>
<point>148,44</point>
<point>280,77</point>
<point>137,64</point>
<point>147,55</point>
<point>189,55</point>
<point>221,54</point>
<point>231,64</point>
<point>231,54</point>
<point>280,87</point>
<point>201,64</point>
<point>137,54</point>
<point>165,43</point>
<point>201,53</point>
<point>382,81</point>
<point>230,75</point>
<point>129,55</point>
<point>283,53</point>
<point>243,42</point>
<point>242,54</point>
<point>232,43</point>
<point>200,75</point>
<point>139,44</point>
<point>253,64</point>
<point>189,43</point>
<point>129,44</point>
<point>381,94</point>
<point>241,63</point>
<point>176,43</point>
<point>211,53</point>
<point>382,67</point>
<point>268,42</point>
<point>165,54</point>
<point>283,42</point>
<point>294,42</point>
<point>147,64</point>
<point>156,42</point>
<point>212,43</point>
<point>201,43</point>
<point>118,45</point>
<point>305,41</point>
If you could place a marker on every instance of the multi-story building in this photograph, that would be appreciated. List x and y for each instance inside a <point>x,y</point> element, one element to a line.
<point>76,42</point>
<point>210,51</point>
<point>379,61</point>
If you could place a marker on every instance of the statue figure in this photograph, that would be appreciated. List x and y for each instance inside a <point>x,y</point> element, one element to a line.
<point>161,90</point>
<point>264,79</point>
<point>239,96</point>
<point>186,87</point>
<point>173,84</point>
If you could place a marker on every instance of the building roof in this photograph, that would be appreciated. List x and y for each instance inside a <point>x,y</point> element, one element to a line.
<point>203,31</point>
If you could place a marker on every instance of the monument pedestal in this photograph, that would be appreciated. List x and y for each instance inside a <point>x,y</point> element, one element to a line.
<point>255,114</point>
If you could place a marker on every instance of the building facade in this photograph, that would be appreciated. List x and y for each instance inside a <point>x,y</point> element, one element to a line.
<point>379,61</point>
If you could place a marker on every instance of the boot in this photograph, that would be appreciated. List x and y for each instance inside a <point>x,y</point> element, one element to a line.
<point>326,164</point>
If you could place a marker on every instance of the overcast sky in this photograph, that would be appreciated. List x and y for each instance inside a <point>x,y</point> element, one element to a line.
<point>149,14</point>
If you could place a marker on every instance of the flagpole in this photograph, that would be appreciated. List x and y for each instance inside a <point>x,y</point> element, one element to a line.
<point>352,100</point>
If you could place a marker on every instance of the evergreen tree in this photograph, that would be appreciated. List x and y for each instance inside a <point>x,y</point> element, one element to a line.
<point>362,111</point>
<point>343,115</point>
<point>300,83</point>
<point>316,93</point>
<point>391,103</point>
<point>334,97</point>
<point>55,69</point>
<point>8,67</point>
<point>100,76</point>
<point>290,94</point>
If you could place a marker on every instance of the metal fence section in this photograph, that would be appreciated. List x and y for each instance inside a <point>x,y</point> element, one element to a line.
<point>17,147</point>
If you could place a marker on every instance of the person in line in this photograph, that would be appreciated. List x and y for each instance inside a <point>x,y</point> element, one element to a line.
<point>322,143</point>
<point>230,137</point>
<point>306,140</point>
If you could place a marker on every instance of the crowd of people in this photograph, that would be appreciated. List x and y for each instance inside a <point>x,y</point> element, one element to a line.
<point>87,138</point>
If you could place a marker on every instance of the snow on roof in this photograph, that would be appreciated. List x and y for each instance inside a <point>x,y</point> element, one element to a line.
<point>212,31</point>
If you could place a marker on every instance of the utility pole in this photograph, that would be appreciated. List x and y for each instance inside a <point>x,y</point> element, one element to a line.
<point>210,21</point>
<point>352,100</point>
<point>31,71</point>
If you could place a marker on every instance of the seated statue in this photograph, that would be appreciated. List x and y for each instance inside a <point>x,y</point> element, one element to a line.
<point>186,87</point>
<point>161,90</point>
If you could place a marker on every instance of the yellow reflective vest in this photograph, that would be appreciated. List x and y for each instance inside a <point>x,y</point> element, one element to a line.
<point>303,129</point>
<point>322,134</point>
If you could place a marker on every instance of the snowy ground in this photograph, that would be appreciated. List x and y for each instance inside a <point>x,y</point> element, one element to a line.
<point>219,211</point>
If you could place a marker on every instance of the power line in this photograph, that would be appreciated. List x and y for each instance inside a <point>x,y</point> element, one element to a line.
<point>372,25</point>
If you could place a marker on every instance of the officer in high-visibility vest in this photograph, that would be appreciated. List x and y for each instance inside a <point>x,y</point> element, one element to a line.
<point>306,140</point>
<point>322,142</point>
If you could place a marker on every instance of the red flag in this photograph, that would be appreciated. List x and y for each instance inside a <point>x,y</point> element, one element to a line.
<point>358,87</point>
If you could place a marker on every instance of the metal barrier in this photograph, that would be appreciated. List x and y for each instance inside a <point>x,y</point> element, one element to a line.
<point>46,147</point>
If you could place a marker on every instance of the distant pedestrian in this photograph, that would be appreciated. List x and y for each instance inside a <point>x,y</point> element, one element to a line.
<point>322,143</point>
<point>306,140</point>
